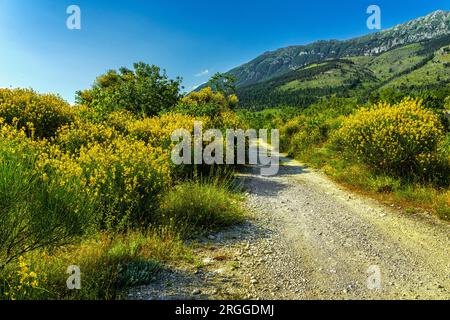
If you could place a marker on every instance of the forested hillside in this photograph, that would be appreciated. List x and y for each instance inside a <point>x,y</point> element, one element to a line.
<point>275,63</point>
<point>411,56</point>
<point>417,66</point>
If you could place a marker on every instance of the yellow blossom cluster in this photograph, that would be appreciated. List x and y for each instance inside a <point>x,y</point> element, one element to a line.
<point>401,139</point>
<point>72,137</point>
<point>22,281</point>
<point>119,119</point>
<point>207,102</point>
<point>206,95</point>
<point>43,114</point>
<point>26,277</point>
<point>228,120</point>
<point>157,131</point>
<point>120,160</point>
<point>123,176</point>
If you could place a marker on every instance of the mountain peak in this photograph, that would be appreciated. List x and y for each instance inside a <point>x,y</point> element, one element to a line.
<point>276,63</point>
<point>437,12</point>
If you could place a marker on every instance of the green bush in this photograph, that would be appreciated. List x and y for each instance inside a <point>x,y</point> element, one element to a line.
<point>109,264</point>
<point>287,132</point>
<point>146,90</point>
<point>384,184</point>
<point>269,118</point>
<point>304,139</point>
<point>441,206</point>
<point>303,133</point>
<point>197,207</point>
<point>36,212</point>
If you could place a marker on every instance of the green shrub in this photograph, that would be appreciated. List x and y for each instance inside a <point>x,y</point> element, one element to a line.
<point>40,114</point>
<point>36,212</point>
<point>268,118</point>
<point>146,90</point>
<point>136,273</point>
<point>291,127</point>
<point>353,174</point>
<point>304,139</point>
<point>441,206</point>
<point>197,207</point>
<point>303,133</point>
<point>109,265</point>
<point>384,184</point>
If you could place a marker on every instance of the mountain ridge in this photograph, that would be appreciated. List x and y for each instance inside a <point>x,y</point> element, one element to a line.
<point>272,64</point>
<point>409,68</point>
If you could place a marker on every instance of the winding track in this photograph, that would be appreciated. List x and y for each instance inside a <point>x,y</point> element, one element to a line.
<point>326,242</point>
<point>309,238</point>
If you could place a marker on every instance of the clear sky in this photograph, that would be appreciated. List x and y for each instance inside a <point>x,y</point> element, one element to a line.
<point>191,39</point>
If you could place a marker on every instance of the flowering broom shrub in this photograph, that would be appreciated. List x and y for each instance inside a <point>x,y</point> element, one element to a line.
<point>80,133</point>
<point>35,212</point>
<point>119,120</point>
<point>228,120</point>
<point>41,113</point>
<point>22,283</point>
<point>206,102</point>
<point>157,131</point>
<point>86,170</point>
<point>123,177</point>
<point>403,139</point>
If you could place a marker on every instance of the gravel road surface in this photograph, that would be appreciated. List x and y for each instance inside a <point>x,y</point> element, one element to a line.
<point>308,238</point>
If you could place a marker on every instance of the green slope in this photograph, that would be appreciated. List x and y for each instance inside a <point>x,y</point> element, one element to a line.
<point>339,74</point>
<point>273,64</point>
<point>306,85</point>
<point>435,72</point>
<point>395,62</point>
<point>414,66</point>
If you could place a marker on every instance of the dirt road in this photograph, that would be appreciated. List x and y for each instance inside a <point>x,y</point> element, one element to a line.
<point>309,238</point>
<point>328,243</point>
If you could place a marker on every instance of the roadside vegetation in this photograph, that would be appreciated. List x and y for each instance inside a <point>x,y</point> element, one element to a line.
<point>396,151</point>
<point>92,185</point>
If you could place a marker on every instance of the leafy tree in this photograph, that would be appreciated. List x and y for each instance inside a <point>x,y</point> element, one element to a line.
<point>223,83</point>
<point>146,90</point>
<point>447,103</point>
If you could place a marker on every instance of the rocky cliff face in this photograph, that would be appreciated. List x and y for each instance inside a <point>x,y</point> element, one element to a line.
<point>432,26</point>
<point>276,63</point>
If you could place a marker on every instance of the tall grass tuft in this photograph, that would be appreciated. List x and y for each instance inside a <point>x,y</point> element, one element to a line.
<point>201,205</point>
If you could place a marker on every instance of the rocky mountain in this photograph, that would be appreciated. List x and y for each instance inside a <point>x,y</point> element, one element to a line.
<point>277,63</point>
<point>409,68</point>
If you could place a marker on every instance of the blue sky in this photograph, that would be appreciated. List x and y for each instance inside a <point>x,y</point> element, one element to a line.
<point>191,39</point>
